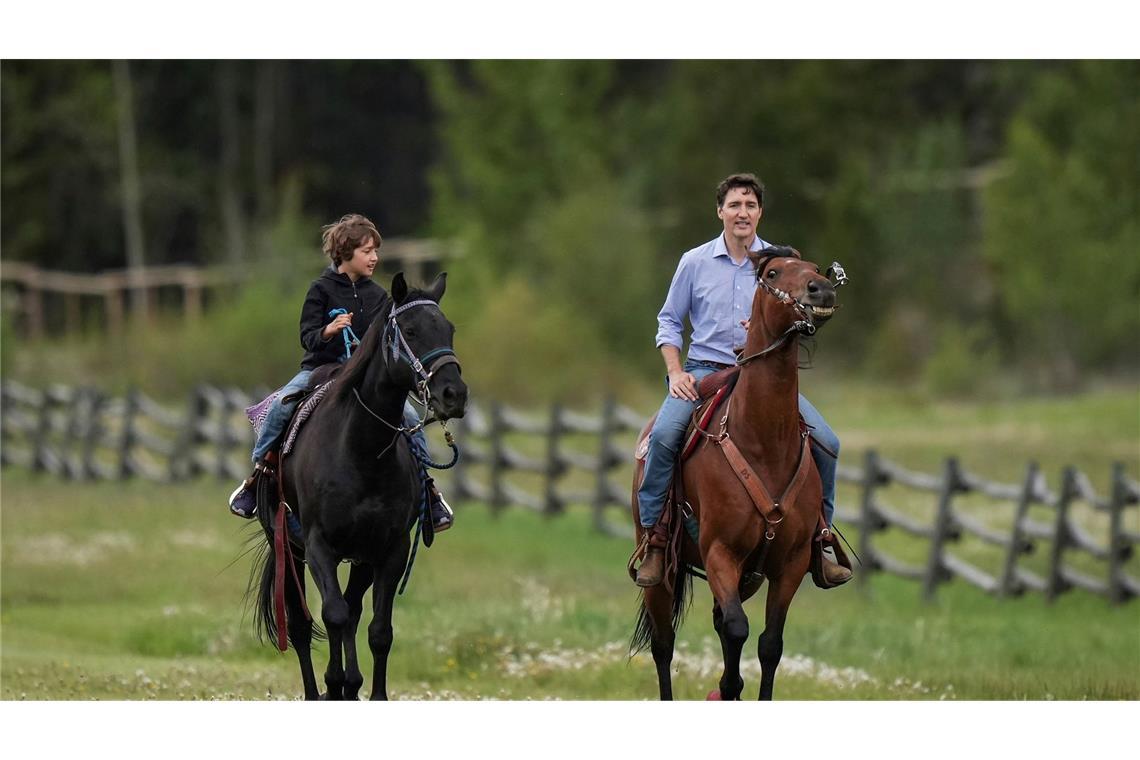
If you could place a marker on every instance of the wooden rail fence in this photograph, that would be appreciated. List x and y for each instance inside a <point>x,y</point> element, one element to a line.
<point>545,462</point>
<point>36,293</point>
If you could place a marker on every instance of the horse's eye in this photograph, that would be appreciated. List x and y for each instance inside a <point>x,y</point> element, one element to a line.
<point>771,274</point>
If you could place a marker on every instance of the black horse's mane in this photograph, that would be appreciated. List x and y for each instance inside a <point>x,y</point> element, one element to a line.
<point>355,368</point>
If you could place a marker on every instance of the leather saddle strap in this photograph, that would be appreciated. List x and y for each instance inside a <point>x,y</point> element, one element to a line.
<point>281,546</point>
<point>770,509</point>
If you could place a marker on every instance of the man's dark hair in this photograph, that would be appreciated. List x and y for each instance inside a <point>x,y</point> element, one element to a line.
<point>748,181</point>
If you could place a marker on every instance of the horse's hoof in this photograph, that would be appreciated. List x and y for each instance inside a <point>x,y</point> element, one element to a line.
<point>714,696</point>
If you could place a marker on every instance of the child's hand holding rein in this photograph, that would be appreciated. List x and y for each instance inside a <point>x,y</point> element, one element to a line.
<point>339,322</point>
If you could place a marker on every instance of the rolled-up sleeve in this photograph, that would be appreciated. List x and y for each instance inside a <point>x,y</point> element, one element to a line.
<point>671,318</point>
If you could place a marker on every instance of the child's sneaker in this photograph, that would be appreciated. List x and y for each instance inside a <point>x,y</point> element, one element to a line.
<point>243,501</point>
<point>442,515</point>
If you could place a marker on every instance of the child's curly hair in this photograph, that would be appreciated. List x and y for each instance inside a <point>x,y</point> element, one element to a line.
<point>341,238</point>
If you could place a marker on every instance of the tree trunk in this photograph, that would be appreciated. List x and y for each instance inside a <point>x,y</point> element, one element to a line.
<point>228,187</point>
<point>130,186</point>
<point>264,117</point>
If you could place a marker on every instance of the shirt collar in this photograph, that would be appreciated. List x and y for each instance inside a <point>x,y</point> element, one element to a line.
<point>721,248</point>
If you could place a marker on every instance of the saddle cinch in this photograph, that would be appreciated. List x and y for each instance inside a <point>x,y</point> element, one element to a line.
<point>714,391</point>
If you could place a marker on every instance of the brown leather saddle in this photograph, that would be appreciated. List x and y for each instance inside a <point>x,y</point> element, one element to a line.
<point>715,390</point>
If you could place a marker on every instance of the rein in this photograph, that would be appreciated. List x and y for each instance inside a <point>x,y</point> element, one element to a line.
<point>434,360</point>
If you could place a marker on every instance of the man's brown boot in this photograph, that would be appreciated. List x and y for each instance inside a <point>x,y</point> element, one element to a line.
<point>652,568</point>
<point>825,571</point>
<point>835,573</point>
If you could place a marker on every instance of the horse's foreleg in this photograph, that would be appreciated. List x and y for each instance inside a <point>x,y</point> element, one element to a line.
<point>359,579</point>
<point>659,607</point>
<point>771,644</point>
<point>301,629</point>
<point>334,611</point>
<point>386,579</point>
<point>723,570</point>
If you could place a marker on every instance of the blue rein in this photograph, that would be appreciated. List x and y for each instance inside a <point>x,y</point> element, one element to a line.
<point>350,339</point>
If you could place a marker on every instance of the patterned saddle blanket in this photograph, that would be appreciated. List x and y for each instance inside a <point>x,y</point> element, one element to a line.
<point>259,411</point>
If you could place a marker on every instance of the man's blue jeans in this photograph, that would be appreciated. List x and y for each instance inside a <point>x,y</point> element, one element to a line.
<point>668,432</point>
<point>279,414</point>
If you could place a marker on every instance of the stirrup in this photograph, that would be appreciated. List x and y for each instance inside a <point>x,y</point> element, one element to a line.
<point>818,574</point>
<point>447,519</point>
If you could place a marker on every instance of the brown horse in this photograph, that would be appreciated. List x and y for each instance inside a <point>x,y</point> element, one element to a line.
<point>742,540</point>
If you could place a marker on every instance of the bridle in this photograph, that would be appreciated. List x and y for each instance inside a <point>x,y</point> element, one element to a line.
<point>433,360</point>
<point>803,326</point>
<point>425,368</point>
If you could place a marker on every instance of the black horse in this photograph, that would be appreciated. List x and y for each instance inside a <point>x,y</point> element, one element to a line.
<point>354,484</point>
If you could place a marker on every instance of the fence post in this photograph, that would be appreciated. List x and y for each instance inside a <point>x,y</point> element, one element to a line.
<point>1010,586</point>
<point>555,466</point>
<point>127,442</point>
<point>40,453</point>
<point>872,479</point>
<point>5,426</point>
<point>71,455</point>
<point>1056,584</point>
<point>226,439</point>
<point>1119,549</point>
<point>93,434</point>
<point>935,567</point>
<point>498,458</point>
<point>605,461</point>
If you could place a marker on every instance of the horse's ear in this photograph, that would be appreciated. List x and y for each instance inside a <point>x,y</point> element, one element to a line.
<point>795,253</point>
<point>435,292</point>
<point>399,288</point>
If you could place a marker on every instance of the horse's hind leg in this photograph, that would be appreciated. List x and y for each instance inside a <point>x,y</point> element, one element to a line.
<point>380,629</point>
<point>334,611</point>
<point>359,579</point>
<point>771,644</point>
<point>724,582</point>
<point>659,606</point>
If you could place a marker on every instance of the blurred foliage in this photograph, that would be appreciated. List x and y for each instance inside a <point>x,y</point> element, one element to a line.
<point>1063,230</point>
<point>986,211</point>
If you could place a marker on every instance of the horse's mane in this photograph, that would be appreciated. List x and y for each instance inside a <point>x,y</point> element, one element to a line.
<point>764,255</point>
<point>353,372</point>
<point>355,368</point>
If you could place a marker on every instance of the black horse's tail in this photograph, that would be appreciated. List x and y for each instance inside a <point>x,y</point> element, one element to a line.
<point>643,628</point>
<point>262,589</point>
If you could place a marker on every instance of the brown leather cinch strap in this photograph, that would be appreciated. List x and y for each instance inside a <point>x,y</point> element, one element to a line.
<point>772,510</point>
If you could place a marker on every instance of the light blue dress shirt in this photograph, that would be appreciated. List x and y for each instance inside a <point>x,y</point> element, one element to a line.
<point>715,293</point>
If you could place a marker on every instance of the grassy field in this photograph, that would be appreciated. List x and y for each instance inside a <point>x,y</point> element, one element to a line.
<point>135,591</point>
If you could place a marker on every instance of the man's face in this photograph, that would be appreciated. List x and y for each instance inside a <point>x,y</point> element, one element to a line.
<point>740,214</point>
<point>363,260</point>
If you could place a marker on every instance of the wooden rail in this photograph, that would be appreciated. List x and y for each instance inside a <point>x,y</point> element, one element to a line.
<point>548,461</point>
<point>36,292</point>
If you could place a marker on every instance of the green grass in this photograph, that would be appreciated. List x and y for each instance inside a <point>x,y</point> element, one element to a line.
<point>113,591</point>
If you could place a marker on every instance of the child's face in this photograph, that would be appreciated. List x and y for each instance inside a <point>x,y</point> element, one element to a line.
<point>363,260</point>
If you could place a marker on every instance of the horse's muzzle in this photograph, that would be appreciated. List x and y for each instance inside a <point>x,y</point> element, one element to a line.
<point>450,401</point>
<point>820,300</point>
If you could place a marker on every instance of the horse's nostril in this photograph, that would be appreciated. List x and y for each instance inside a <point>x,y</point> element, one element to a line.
<point>813,286</point>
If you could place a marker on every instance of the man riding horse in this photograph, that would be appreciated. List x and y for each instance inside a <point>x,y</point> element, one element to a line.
<point>714,287</point>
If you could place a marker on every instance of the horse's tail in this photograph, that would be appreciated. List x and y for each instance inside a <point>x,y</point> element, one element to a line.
<point>643,628</point>
<point>262,588</point>
<point>261,583</point>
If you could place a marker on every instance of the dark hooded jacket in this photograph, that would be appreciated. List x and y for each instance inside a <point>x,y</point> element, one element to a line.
<point>334,290</point>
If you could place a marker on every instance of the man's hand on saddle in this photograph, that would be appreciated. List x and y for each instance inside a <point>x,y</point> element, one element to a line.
<point>746,323</point>
<point>683,385</point>
<point>339,322</point>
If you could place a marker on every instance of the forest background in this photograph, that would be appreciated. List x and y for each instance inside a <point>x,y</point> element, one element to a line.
<point>987,212</point>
